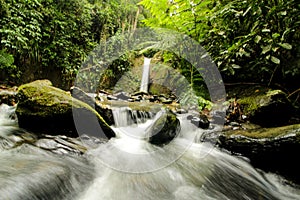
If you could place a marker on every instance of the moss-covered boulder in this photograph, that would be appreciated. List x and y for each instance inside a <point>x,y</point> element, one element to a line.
<point>164,129</point>
<point>43,108</point>
<point>263,106</point>
<point>271,149</point>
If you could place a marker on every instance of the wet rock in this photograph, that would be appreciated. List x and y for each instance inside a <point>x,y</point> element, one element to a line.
<point>165,128</point>
<point>43,108</point>
<point>111,97</point>
<point>8,97</point>
<point>263,106</point>
<point>181,111</point>
<point>189,117</point>
<point>61,145</point>
<point>122,96</point>
<point>106,112</point>
<point>82,96</point>
<point>218,117</point>
<point>201,121</point>
<point>271,149</point>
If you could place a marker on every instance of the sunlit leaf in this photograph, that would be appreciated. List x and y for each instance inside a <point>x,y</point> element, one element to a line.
<point>266,49</point>
<point>257,39</point>
<point>265,30</point>
<point>235,66</point>
<point>286,45</point>
<point>275,60</point>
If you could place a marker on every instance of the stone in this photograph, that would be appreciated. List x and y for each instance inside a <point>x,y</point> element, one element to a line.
<point>263,106</point>
<point>82,96</point>
<point>271,149</point>
<point>122,96</point>
<point>45,109</point>
<point>165,129</point>
<point>201,121</point>
<point>8,97</point>
<point>181,111</point>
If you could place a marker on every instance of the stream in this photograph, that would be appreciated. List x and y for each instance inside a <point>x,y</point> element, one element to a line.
<point>128,167</point>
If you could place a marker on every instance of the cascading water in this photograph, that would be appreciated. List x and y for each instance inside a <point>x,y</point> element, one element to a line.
<point>146,75</point>
<point>129,167</point>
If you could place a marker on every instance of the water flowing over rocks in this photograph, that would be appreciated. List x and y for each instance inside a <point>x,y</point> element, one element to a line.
<point>43,108</point>
<point>165,129</point>
<point>271,149</point>
<point>8,96</point>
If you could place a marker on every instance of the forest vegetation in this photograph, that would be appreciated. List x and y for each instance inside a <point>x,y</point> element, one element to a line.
<point>251,41</point>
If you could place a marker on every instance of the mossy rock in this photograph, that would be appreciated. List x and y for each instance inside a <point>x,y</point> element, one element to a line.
<point>271,149</point>
<point>263,106</point>
<point>165,129</point>
<point>43,108</point>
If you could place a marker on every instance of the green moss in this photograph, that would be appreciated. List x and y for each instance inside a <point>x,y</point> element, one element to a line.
<point>250,104</point>
<point>42,99</point>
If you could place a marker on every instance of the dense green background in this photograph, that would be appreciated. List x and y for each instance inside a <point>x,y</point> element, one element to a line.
<point>253,41</point>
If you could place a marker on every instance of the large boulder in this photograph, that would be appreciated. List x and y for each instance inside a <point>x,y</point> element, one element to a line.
<point>263,106</point>
<point>271,149</point>
<point>43,108</point>
<point>164,129</point>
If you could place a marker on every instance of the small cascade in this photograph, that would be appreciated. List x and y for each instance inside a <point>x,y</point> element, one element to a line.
<point>146,75</point>
<point>124,116</point>
<point>132,123</point>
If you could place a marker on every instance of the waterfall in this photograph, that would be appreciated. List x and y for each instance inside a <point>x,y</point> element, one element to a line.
<point>146,75</point>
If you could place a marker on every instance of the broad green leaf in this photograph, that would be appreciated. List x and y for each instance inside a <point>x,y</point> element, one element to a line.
<point>286,45</point>
<point>266,49</point>
<point>275,35</point>
<point>275,60</point>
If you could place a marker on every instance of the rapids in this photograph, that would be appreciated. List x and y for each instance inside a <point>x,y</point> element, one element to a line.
<point>129,167</point>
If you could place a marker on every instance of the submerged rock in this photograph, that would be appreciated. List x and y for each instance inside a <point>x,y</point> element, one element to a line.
<point>43,108</point>
<point>271,149</point>
<point>165,128</point>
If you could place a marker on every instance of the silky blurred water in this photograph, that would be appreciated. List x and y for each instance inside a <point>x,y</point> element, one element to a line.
<point>129,168</point>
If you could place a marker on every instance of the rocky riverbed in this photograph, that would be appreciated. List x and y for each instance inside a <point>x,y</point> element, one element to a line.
<point>248,132</point>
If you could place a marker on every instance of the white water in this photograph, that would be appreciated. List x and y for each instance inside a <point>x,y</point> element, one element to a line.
<point>130,168</point>
<point>146,75</point>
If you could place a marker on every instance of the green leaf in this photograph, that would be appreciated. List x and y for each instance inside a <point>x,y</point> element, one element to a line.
<point>283,13</point>
<point>275,60</point>
<point>275,35</point>
<point>266,30</point>
<point>235,66</point>
<point>257,39</point>
<point>266,49</point>
<point>286,45</point>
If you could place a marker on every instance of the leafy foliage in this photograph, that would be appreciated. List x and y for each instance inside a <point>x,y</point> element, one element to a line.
<point>257,39</point>
<point>7,66</point>
<point>254,36</point>
<point>46,36</point>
